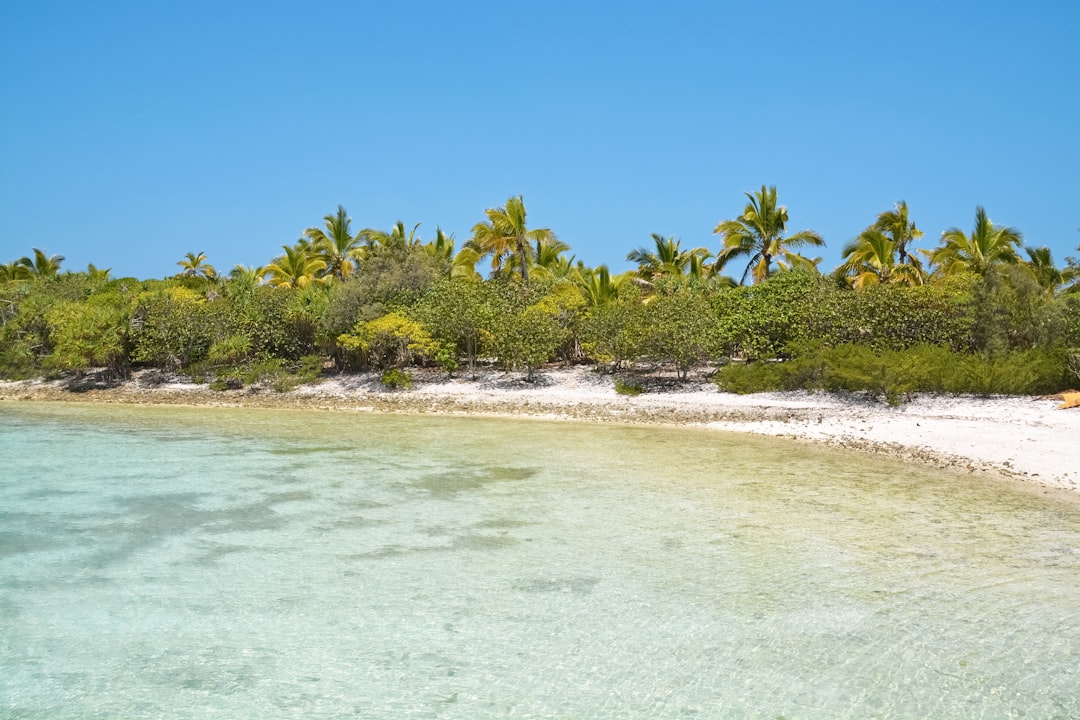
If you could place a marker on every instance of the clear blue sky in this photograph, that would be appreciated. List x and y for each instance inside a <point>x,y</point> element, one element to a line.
<point>134,132</point>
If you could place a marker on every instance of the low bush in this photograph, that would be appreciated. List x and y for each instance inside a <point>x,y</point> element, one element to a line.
<point>396,379</point>
<point>895,374</point>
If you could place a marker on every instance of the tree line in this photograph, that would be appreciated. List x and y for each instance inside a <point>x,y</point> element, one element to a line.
<point>972,314</point>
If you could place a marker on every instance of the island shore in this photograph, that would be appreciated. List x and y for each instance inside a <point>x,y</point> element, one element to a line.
<point>1030,439</point>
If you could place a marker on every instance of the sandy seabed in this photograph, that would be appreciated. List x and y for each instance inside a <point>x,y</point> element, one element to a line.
<point>1030,439</point>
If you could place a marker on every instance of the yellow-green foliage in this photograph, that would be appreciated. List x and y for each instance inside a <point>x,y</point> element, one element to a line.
<point>232,349</point>
<point>390,341</point>
<point>397,379</point>
<point>88,334</point>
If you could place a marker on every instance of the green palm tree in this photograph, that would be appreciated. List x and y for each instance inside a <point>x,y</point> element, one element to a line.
<point>338,248</point>
<point>896,225</point>
<point>794,262</point>
<point>871,259</point>
<point>14,272</point>
<point>985,247</point>
<point>668,259</point>
<point>42,265</point>
<point>598,285</point>
<point>246,276</point>
<point>1051,278</point>
<point>1072,264</point>
<point>396,240</point>
<point>195,265</point>
<point>759,235</point>
<point>297,268</point>
<point>98,275</point>
<point>505,233</point>
<point>464,263</point>
<point>550,251</point>
<point>441,247</point>
<point>549,259</point>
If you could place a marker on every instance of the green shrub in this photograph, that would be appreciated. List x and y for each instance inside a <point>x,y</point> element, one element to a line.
<point>627,387</point>
<point>1032,372</point>
<point>896,374</point>
<point>447,358</point>
<point>744,378</point>
<point>231,349</point>
<point>857,368</point>
<point>397,379</point>
<point>309,369</point>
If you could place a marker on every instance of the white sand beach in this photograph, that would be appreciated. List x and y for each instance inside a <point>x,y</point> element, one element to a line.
<point>1031,439</point>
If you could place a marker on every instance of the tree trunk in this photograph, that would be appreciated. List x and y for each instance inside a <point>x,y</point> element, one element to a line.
<point>523,260</point>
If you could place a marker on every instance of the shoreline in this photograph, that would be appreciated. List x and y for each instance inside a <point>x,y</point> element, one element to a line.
<point>1026,439</point>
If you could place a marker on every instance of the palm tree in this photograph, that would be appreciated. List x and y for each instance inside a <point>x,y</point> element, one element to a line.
<point>1072,265</point>
<point>98,275</point>
<point>1052,279</point>
<point>895,224</point>
<point>984,248</point>
<point>397,239</point>
<point>337,246</point>
<point>42,265</point>
<point>195,265</point>
<point>549,259</point>
<point>759,234</point>
<point>794,262</point>
<point>464,263</point>
<point>505,233</point>
<point>243,280</point>
<point>871,259</point>
<point>297,268</point>
<point>667,259</point>
<point>14,272</point>
<point>879,254</point>
<point>598,286</point>
<point>441,247</point>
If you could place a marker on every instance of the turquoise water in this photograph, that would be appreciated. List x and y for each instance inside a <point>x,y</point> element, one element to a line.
<point>191,563</point>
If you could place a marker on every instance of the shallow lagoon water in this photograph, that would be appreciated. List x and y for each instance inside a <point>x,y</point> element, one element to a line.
<point>186,563</point>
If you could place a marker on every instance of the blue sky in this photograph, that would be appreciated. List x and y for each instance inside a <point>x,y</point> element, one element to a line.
<point>134,132</point>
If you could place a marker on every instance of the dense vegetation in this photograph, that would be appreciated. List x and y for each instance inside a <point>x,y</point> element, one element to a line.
<point>970,315</point>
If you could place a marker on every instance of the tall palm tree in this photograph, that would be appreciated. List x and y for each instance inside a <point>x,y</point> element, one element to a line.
<point>986,246</point>
<point>297,268</point>
<point>506,233</point>
<point>337,246</point>
<point>195,265</point>
<point>42,265</point>
<point>667,259</point>
<point>759,235</point>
